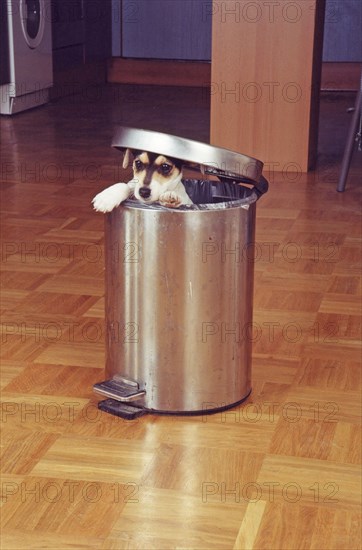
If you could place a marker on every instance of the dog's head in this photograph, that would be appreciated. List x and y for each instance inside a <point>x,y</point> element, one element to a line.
<point>153,174</point>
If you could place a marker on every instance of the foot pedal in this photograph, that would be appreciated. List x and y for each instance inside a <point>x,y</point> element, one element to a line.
<point>128,412</point>
<point>120,389</point>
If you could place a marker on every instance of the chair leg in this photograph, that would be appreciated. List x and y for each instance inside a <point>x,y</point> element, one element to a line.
<point>347,156</point>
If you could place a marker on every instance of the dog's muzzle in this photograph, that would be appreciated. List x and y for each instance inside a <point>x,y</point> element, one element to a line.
<point>144,192</point>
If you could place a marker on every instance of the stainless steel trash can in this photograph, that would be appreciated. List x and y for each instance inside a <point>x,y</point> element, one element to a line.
<point>179,295</point>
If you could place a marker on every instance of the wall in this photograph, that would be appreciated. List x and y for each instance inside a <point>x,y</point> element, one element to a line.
<point>181,29</point>
<point>343,31</point>
<point>163,29</point>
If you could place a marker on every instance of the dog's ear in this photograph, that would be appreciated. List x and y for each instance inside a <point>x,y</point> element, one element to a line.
<point>127,158</point>
<point>177,162</point>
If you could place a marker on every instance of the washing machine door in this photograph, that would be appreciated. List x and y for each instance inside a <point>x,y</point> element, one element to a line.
<point>33,15</point>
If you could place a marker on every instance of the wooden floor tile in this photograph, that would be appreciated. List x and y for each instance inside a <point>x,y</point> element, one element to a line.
<point>241,428</point>
<point>10,370</point>
<point>322,374</point>
<point>65,506</point>
<point>172,519</point>
<point>13,539</point>
<point>307,527</point>
<point>330,405</point>
<point>69,353</point>
<point>67,381</point>
<point>95,459</point>
<point>45,413</point>
<point>302,437</point>
<point>21,449</point>
<point>347,444</point>
<point>250,525</point>
<point>81,285</point>
<point>223,470</point>
<point>306,480</point>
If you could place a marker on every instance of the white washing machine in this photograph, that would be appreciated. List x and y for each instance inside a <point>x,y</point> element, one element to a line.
<point>30,56</point>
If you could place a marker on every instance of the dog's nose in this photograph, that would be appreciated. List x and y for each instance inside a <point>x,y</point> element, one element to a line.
<point>145,192</point>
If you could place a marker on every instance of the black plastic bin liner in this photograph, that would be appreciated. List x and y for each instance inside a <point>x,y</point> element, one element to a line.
<point>212,191</point>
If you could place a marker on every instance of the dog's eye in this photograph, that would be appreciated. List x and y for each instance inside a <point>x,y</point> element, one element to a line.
<point>166,168</point>
<point>138,164</point>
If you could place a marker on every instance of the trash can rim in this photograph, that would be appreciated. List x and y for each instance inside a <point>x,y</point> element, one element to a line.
<point>156,207</point>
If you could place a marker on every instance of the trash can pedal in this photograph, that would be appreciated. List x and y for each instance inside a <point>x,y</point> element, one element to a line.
<point>118,390</point>
<point>117,408</point>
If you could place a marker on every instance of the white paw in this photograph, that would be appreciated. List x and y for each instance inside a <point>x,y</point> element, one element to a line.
<point>170,199</point>
<point>111,197</point>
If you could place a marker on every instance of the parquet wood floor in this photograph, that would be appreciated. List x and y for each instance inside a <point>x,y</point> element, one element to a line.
<point>281,471</point>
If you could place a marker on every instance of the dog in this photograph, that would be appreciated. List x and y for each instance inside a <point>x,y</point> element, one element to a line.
<point>156,178</point>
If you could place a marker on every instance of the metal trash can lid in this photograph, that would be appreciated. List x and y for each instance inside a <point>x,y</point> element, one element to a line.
<point>212,160</point>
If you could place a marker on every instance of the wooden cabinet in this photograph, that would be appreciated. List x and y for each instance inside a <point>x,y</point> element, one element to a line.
<point>265,80</point>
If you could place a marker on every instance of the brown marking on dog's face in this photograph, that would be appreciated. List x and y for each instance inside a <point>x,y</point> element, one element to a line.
<point>150,167</point>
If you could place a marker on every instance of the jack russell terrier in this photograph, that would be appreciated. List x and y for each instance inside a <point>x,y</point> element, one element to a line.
<point>156,178</point>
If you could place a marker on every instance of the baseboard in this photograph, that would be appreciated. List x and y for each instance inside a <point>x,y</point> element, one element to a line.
<point>341,77</point>
<point>159,72</point>
<point>335,76</point>
<point>78,79</point>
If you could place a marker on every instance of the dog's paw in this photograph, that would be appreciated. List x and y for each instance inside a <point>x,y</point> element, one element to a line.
<point>170,199</point>
<point>111,197</point>
<point>105,201</point>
